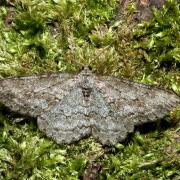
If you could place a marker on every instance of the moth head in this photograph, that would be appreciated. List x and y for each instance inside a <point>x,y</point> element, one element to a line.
<point>86,71</point>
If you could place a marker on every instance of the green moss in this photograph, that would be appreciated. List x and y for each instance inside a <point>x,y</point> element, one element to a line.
<point>59,36</point>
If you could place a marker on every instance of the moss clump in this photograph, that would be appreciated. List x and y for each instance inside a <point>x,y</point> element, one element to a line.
<point>40,36</point>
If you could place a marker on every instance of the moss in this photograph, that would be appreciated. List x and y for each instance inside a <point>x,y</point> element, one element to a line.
<point>57,35</point>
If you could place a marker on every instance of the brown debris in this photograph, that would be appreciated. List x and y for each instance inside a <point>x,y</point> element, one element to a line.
<point>92,172</point>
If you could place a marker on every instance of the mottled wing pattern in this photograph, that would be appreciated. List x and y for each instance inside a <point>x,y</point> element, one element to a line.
<point>67,121</point>
<point>32,95</point>
<point>129,104</point>
<point>56,100</point>
<point>70,107</point>
<point>74,116</point>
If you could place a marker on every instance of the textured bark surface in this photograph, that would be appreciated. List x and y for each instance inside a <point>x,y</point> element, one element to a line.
<point>143,9</point>
<point>69,107</point>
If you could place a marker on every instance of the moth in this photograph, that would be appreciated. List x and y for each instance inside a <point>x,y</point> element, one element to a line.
<point>69,107</point>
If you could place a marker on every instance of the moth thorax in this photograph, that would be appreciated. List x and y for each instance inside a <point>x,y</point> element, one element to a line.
<point>86,90</point>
